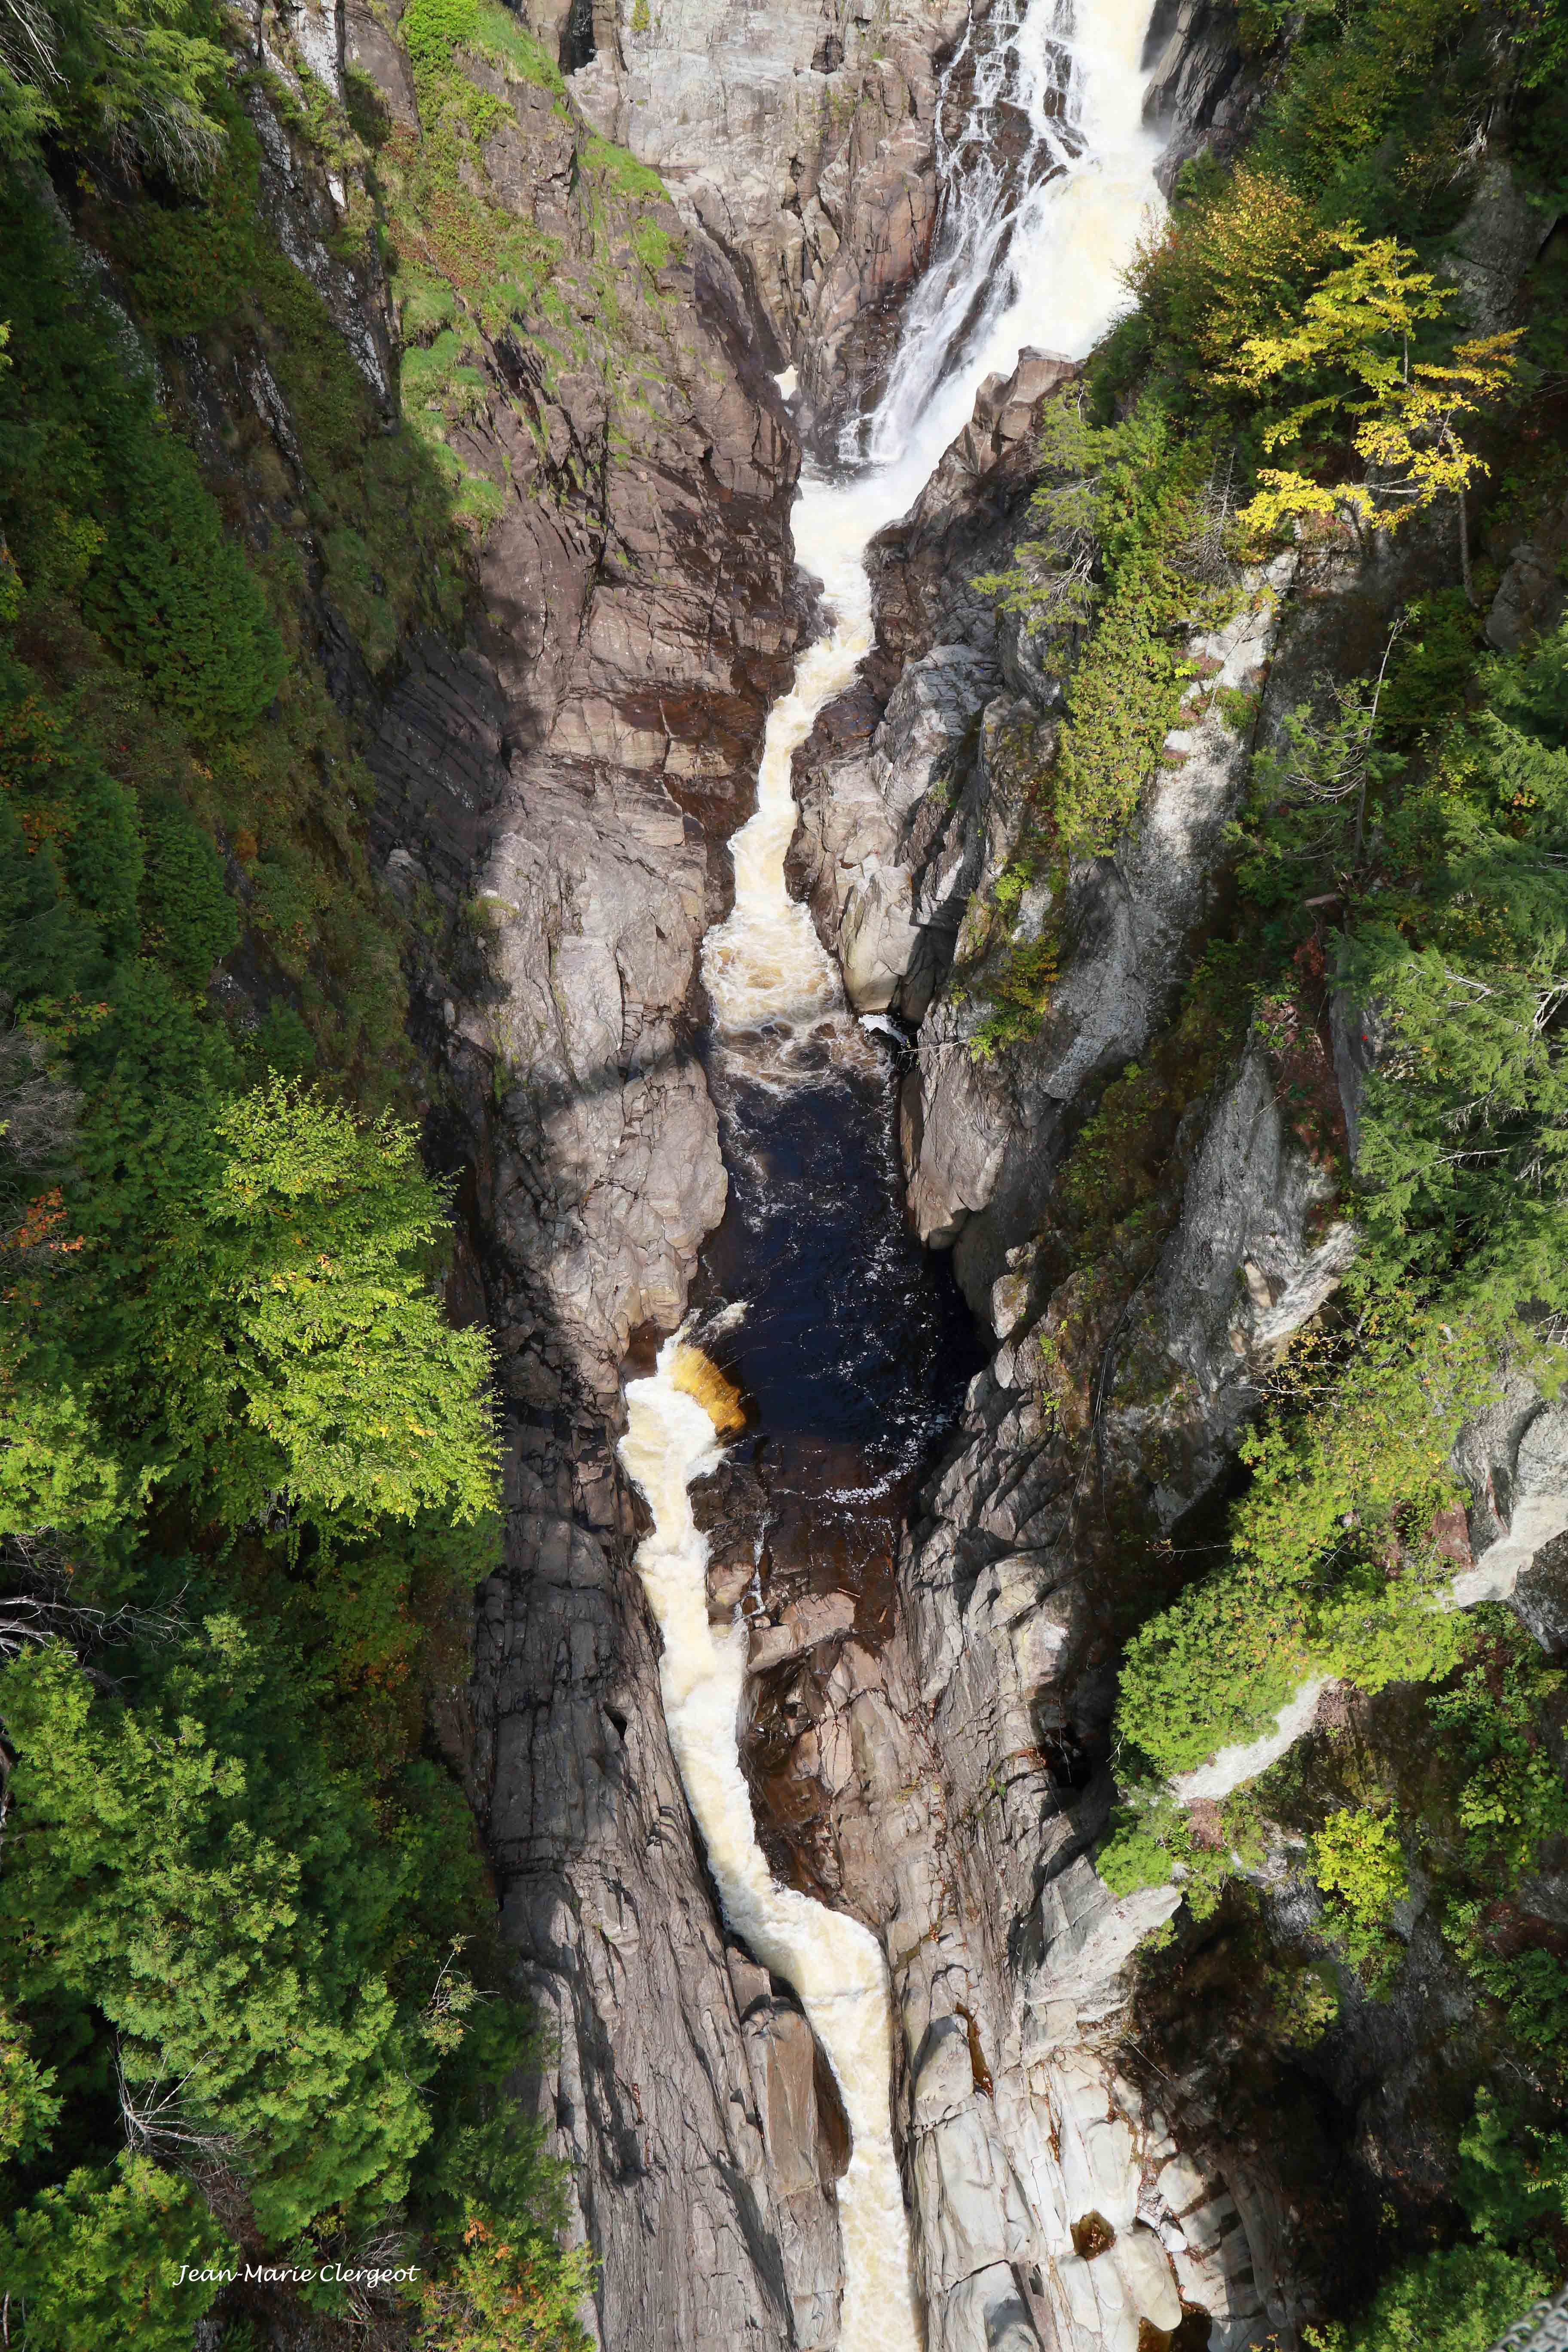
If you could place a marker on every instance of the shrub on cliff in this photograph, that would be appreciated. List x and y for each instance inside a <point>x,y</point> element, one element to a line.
<point>189,1868</point>
<point>246,1467</point>
<point>97,2260</point>
<point>176,598</point>
<point>1456,2302</point>
<point>431,30</point>
<point>1333,1567</point>
<point>1114,522</point>
<point>192,918</point>
<point>135,76</point>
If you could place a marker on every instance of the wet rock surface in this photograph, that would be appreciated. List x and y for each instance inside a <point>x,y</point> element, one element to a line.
<point>932,1670</point>
<point>571,774</point>
<point>1203,93</point>
<point>681,2086</point>
<point>1053,2203</point>
<point>804,146</point>
<point>1102,1429</point>
<point>900,819</point>
<point>554,788</point>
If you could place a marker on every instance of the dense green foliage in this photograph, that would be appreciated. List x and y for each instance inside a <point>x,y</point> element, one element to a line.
<point>1460,949</point>
<point>97,2258</point>
<point>177,599</point>
<point>1457,2301</point>
<point>1118,563</point>
<point>249,1321</point>
<point>1302,363</point>
<point>252,2000</point>
<point>192,1867</point>
<point>1118,516</point>
<point>1425,812</point>
<point>1333,1566</point>
<point>135,77</point>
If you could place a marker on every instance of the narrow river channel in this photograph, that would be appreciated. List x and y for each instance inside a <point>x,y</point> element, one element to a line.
<point>850,1344</point>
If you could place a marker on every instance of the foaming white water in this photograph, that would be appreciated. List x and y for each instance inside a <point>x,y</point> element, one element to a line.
<point>835,1964</point>
<point>765,967</point>
<point>1044,272</point>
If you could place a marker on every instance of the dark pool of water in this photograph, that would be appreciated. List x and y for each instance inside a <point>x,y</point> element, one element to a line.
<point>855,1347</point>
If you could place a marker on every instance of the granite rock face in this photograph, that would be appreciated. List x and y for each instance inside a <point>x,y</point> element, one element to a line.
<point>903,812</point>
<point>1053,2204</point>
<point>1050,2205</point>
<point>803,143</point>
<point>1203,93</point>
<point>883,860</point>
<point>572,772</point>
<point>681,2086</point>
<point>555,785</point>
<point>563,772</point>
<point>981,1140</point>
<point>1010,1578</point>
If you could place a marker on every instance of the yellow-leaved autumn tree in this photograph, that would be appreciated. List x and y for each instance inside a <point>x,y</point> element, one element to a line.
<point>1403,415</point>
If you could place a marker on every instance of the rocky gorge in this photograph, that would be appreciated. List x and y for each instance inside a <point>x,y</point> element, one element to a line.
<point>932,1759</point>
<point>715,228</point>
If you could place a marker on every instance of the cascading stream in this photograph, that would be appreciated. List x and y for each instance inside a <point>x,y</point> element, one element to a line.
<point>1045,272</point>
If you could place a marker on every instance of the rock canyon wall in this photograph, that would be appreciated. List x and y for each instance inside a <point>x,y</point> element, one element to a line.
<point>558,778</point>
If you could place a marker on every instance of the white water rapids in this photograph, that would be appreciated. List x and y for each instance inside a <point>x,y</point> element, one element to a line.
<point>1046,273</point>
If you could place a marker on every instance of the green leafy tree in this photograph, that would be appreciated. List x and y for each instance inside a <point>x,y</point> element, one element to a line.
<point>495,2204</point>
<point>308,1240</point>
<point>104,858</point>
<point>57,1467</point>
<point>1359,1863</point>
<point>135,76</point>
<point>507,2289</point>
<point>176,598</point>
<point>1232,264</point>
<point>266,1329</point>
<point>192,1867</point>
<point>28,2106</point>
<point>1456,2302</point>
<point>1463,1118</point>
<point>98,2260</point>
<point>1512,1806</point>
<point>48,949</point>
<point>192,917</point>
<point>1514,2175</point>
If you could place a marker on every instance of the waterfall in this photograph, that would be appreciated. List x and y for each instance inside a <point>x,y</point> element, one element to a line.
<point>1044,269</point>
<point>1032,257</point>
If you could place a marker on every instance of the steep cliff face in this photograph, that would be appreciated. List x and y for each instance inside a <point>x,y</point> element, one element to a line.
<point>1108,1410</point>
<point>943,1776</point>
<point>1122,1380</point>
<point>639,616</point>
<point>944,1779</point>
<point>559,776</point>
<point>561,714</point>
<point>556,774</point>
<point>805,148</point>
